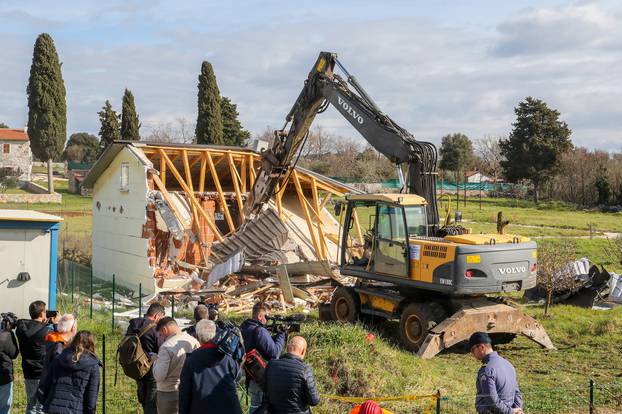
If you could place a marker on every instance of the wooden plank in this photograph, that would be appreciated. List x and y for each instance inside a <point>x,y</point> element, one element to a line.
<point>195,214</point>
<point>196,160</point>
<point>285,284</point>
<point>279,200</point>
<point>236,185</point>
<point>320,230</point>
<point>163,170</point>
<point>357,227</point>
<point>177,176</point>
<point>303,204</point>
<point>221,196</point>
<point>168,199</point>
<point>243,173</point>
<point>203,172</point>
<point>251,170</point>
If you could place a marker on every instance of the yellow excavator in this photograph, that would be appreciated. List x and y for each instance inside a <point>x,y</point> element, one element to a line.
<point>433,278</point>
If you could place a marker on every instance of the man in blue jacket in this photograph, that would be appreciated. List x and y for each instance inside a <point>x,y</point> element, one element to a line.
<point>207,383</point>
<point>497,387</point>
<point>256,336</point>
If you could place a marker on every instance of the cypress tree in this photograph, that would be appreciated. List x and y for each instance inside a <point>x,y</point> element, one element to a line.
<point>129,118</point>
<point>209,118</point>
<point>233,132</point>
<point>109,130</point>
<point>47,109</point>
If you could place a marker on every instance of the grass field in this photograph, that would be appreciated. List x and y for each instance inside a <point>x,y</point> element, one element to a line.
<point>344,363</point>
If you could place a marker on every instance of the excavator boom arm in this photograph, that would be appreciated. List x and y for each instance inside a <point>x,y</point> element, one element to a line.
<point>322,87</point>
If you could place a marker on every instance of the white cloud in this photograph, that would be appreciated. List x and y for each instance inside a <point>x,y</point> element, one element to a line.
<point>432,79</point>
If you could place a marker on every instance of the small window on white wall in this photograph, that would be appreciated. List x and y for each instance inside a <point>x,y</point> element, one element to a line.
<point>125,176</point>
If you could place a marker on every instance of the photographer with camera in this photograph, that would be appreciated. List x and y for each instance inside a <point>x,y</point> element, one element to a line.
<point>31,335</point>
<point>8,352</point>
<point>257,337</point>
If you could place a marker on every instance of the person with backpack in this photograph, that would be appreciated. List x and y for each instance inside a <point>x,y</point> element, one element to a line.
<point>167,366</point>
<point>140,345</point>
<point>72,382</point>
<point>208,378</point>
<point>31,335</point>
<point>258,340</point>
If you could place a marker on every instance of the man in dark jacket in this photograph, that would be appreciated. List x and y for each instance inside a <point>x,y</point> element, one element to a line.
<point>256,336</point>
<point>150,342</point>
<point>290,384</point>
<point>70,386</point>
<point>8,352</point>
<point>208,378</point>
<point>31,335</point>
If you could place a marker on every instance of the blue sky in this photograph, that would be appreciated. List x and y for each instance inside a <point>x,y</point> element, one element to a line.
<point>436,67</point>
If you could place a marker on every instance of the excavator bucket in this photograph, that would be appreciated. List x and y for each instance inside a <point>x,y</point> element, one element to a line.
<point>482,315</point>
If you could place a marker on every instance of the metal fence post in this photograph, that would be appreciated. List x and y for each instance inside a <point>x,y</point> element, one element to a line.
<point>591,396</point>
<point>140,299</point>
<point>104,374</point>
<point>91,310</point>
<point>113,289</point>
<point>73,275</point>
<point>438,401</point>
<point>173,306</point>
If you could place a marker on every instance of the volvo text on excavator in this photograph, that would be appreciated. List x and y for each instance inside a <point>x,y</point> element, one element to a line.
<point>433,278</point>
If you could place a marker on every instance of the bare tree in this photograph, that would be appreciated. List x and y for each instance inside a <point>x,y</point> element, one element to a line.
<point>555,273</point>
<point>489,153</point>
<point>181,132</point>
<point>614,249</point>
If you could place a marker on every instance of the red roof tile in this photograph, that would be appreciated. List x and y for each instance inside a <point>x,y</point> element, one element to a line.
<point>8,134</point>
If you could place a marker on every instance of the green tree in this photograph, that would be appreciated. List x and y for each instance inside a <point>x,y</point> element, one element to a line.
<point>47,109</point>
<point>456,154</point>
<point>602,186</point>
<point>3,125</point>
<point>535,147</point>
<point>109,130</point>
<point>81,147</point>
<point>233,132</point>
<point>209,129</point>
<point>129,118</point>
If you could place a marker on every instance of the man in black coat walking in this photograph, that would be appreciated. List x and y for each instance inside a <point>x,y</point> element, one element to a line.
<point>150,342</point>
<point>290,384</point>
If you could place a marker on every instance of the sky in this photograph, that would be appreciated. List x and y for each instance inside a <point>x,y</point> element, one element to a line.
<point>436,67</point>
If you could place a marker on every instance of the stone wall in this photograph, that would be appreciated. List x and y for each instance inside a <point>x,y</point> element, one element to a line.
<point>31,198</point>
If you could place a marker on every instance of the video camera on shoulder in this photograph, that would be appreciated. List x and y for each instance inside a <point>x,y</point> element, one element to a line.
<point>8,321</point>
<point>279,323</point>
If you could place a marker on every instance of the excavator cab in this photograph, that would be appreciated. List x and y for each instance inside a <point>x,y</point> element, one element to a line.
<point>377,230</point>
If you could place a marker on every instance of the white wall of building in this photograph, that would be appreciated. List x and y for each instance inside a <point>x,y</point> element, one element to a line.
<point>118,219</point>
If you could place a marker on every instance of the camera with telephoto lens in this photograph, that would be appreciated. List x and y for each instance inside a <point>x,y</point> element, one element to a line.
<point>286,324</point>
<point>9,321</point>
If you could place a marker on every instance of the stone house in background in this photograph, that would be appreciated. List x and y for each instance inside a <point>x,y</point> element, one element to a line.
<point>15,154</point>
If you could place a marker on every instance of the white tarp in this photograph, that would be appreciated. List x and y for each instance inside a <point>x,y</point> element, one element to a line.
<point>615,283</point>
<point>232,265</point>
